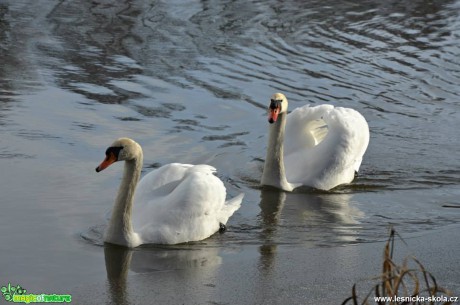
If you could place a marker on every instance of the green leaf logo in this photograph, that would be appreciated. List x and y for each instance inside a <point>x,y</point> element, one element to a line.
<point>10,291</point>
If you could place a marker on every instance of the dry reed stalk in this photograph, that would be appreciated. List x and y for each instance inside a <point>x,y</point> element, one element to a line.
<point>412,286</point>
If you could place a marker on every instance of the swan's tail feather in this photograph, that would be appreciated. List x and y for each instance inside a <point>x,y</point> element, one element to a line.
<point>230,207</point>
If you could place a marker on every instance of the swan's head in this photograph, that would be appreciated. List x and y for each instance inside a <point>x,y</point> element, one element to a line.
<point>123,149</point>
<point>278,104</point>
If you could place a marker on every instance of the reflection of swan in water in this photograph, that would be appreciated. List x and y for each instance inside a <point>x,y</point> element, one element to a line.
<point>320,147</point>
<point>175,258</point>
<point>187,264</point>
<point>271,205</point>
<point>175,203</point>
<point>307,218</point>
<point>117,262</point>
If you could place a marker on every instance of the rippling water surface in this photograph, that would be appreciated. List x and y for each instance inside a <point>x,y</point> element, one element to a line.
<point>190,81</point>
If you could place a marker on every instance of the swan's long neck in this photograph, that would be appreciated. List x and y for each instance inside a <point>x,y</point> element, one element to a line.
<point>274,173</point>
<point>120,229</point>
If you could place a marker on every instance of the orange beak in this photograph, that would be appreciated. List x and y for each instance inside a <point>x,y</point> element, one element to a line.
<point>273,114</point>
<point>109,159</point>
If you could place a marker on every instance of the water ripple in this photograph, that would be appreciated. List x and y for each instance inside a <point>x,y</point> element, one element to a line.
<point>201,75</point>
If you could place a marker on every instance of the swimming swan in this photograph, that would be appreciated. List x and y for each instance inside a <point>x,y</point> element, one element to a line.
<point>173,204</point>
<point>320,147</point>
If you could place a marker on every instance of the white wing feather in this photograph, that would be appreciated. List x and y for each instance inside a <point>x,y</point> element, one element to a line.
<point>178,203</point>
<point>324,145</point>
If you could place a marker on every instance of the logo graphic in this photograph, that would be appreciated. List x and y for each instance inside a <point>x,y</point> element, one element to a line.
<point>18,294</point>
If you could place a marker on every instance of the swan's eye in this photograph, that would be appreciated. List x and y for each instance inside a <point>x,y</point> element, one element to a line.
<point>275,104</point>
<point>114,150</point>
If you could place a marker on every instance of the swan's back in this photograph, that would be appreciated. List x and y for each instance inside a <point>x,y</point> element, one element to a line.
<point>178,203</point>
<point>324,145</point>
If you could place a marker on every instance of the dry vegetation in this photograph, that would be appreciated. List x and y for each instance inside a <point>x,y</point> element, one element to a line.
<point>410,282</point>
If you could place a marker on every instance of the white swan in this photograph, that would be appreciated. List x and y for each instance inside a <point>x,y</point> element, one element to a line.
<point>320,147</point>
<point>173,204</point>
